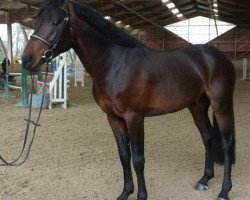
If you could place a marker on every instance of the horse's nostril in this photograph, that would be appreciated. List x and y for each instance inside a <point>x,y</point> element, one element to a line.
<point>27,60</point>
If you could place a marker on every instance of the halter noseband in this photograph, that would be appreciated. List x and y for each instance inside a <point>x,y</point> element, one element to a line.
<point>48,54</point>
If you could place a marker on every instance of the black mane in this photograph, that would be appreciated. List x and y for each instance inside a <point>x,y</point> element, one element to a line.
<point>106,28</point>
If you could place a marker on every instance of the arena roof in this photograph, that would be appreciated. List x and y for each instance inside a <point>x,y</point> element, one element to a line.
<point>147,15</point>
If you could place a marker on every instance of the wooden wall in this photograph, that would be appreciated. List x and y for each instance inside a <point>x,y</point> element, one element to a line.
<point>234,43</point>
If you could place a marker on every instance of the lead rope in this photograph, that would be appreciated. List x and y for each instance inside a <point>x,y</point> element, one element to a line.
<point>29,121</point>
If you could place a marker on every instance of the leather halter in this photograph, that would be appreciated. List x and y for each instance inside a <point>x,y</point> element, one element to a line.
<point>48,54</point>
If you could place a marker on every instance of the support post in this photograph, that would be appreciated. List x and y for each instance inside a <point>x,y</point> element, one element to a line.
<point>24,102</point>
<point>235,42</point>
<point>163,40</point>
<point>245,70</point>
<point>24,34</point>
<point>3,48</point>
<point>9,31</point>
<point>7,94</point>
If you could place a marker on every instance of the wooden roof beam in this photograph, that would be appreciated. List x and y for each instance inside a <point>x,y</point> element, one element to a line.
<point>5,4</point>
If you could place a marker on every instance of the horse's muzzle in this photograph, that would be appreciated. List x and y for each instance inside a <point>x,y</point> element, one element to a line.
<point>28,62</point>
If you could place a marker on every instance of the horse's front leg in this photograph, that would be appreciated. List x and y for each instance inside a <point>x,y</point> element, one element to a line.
<point>119,129</point>
<point>135,125</point>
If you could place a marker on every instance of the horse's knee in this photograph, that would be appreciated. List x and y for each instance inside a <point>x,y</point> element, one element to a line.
<point>138,161</point>
<point>125,158</point>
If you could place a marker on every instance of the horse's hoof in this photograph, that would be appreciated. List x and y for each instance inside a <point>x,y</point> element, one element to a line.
<point>122,197</point>
<point>125,195</point>
<point>201,187</point>
<point>142,196</point>
<point>223,197</point>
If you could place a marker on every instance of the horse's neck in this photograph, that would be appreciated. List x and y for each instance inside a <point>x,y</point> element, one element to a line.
<point>93,51</point>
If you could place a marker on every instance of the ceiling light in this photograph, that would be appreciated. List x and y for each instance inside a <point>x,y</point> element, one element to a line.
<point>215,5</point>
<point>170,5</point>
<point>215,10</point>
<point>107,17</point>
<point>175,11</point>
<point>27,19</point>
<point>180,15</point>
<point>164,1</point>
<point>118,22</point>
<point>198,35</point>
<point>127,26</point>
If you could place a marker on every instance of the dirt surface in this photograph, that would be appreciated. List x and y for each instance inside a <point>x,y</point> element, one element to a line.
<point>74,156</point>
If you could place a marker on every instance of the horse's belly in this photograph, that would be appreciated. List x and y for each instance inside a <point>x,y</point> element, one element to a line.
<point>161,110</point>
<point>172,103</point>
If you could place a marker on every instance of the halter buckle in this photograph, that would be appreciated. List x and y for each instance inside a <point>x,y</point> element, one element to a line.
<point>48,55</point>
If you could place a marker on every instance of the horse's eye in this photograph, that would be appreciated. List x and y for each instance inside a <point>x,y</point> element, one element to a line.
<point>55,23</point>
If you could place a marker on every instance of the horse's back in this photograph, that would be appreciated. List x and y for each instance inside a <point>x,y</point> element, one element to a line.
<point>203,63</point>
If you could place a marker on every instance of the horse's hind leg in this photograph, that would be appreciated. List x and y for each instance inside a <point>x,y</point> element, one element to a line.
<point>199,112</point>
<point>119,129</point>
<point>224,114</point>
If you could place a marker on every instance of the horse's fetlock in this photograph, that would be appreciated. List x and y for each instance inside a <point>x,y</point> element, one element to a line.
<point>142,196</point>
<point>209,173</point>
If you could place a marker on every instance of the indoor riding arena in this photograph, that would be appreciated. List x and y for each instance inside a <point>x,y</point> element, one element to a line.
<point>74,153</point>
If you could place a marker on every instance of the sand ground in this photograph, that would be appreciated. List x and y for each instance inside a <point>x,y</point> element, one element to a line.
<point>74,156</point>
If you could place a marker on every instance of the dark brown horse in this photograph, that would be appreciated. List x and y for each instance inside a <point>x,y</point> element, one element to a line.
<point>131,82</point>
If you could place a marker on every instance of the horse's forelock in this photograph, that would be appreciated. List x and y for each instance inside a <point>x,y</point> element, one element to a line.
<point>50,4</point>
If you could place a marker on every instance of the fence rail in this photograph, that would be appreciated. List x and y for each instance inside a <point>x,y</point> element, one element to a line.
<point>58,86</point>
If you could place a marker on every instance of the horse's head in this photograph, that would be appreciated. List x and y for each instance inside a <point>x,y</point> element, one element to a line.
<point>50,35</point>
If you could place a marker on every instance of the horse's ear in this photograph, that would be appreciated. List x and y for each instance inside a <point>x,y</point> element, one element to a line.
<point>61,2</point>
<point>57,3</point>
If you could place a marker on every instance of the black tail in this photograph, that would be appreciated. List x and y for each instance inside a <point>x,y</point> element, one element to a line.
<point>217,145</point>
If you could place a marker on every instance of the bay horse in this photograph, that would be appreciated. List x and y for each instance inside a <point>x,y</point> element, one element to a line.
<point>131,82</point>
